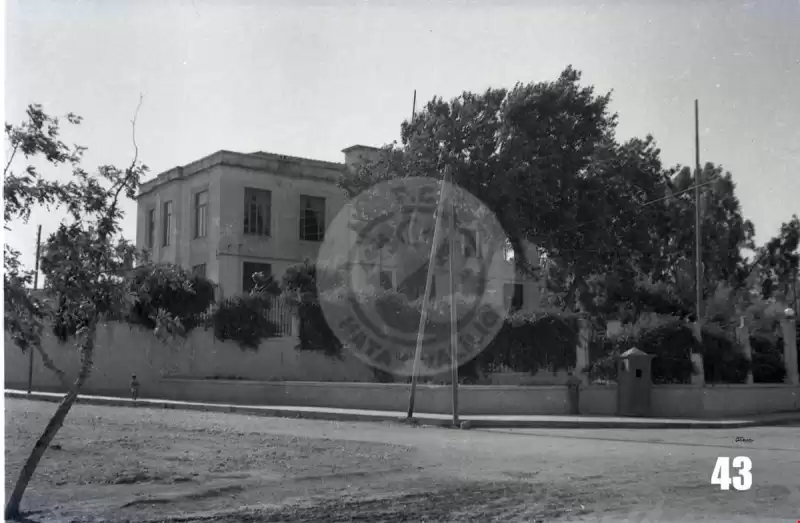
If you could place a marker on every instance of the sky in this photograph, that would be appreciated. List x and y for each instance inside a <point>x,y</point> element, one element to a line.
<point>309,79</point>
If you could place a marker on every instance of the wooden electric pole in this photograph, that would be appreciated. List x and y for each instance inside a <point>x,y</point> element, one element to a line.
<point>697,224</point>
<point>35,287</point>
<point>423,317</point>
<point>453,305</point>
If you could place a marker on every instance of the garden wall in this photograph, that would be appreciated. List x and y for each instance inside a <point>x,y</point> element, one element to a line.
<point>433,399</point>
<point>122,350</point>
<point>278,374</point>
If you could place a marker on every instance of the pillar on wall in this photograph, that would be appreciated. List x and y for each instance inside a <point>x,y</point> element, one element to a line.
<point>788,325</point>
<point>699,379</point>
<point>582,349</point>
<point>743,337</point>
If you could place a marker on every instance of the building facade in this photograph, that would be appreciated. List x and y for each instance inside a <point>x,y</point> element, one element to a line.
<point>230,215</point>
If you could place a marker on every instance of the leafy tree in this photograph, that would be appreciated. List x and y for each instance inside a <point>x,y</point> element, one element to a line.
<point>544,158</point>
<point>541,156</point>
<point>86,263</point>
<point>779,261</point>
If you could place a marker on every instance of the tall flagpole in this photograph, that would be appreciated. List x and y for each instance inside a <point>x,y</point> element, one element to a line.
<point>423,317</point>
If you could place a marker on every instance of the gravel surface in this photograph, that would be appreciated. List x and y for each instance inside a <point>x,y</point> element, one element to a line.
<point>138,464</point>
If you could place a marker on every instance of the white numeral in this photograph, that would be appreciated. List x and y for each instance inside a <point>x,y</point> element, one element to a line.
<point>721,475</point>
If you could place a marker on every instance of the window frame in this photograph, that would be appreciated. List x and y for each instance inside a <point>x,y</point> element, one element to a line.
<point>248,228</point>
<point>319,236</point>
<point>200,269</point>
<point>167,212</point>
<point>201,222</point>
<point>150,228</point>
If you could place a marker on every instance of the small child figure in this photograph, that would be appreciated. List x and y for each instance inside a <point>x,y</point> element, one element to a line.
<point>134,387</point>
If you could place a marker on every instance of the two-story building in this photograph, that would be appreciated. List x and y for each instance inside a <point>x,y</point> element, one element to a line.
<point>230,215</point>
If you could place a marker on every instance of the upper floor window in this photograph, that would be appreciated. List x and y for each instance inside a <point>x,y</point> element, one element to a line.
<point>201,214</point>
<point>166,229</point>
<point>312,218</point>
<point>257,211</point>
<point>150,228</point>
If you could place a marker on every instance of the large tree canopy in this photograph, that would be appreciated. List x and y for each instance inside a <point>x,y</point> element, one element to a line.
<point>545,159</point>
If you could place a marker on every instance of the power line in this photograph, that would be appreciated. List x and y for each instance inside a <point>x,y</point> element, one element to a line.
<point>637,207</point>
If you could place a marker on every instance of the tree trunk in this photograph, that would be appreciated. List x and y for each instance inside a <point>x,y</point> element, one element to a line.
<point>51,365</point>
<point>53,426</point>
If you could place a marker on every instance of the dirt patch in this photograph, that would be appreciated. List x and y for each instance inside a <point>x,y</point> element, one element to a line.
<point>147,465</point>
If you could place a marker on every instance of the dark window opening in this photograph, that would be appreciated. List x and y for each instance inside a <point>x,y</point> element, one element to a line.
<point>257,212</point>
<point>201,214</point>
<point>312,218</point>
<point>167,224</point>
<point>251,268</point>
<point>517,293</point>
<point>151,228</point>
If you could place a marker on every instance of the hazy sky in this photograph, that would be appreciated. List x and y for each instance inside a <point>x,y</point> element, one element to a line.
<point>310,81</point>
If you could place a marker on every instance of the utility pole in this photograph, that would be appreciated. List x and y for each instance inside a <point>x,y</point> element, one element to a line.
<point>423,318</point>
<point>453,309</point>
<point>697,226</point>
<point>35,287</point>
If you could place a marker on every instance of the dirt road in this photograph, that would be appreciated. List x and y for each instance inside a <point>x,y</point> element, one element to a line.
<point>135,464</point>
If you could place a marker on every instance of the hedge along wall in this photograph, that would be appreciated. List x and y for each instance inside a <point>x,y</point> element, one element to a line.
<point>767,354</point>
<point>672,343</point>
<point>525,342</point>
<point>529,343</point>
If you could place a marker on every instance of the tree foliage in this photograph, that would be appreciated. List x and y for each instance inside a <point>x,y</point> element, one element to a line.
<point>779,263</point>
<point>613,226</point>
<point>86,263</point>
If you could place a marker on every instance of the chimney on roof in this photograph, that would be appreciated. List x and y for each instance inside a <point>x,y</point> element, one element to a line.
<point>360,154</point>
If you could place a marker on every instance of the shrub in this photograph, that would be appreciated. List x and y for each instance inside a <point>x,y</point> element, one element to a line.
<point>723,361</point>
<point>299,290</point>
<point>243,320</point>
<point>314,333</point>
<point>158,288</point>
<point>767,353</point>
<point>527,343</point>
<point>157,292</point>
<point>672,344</point>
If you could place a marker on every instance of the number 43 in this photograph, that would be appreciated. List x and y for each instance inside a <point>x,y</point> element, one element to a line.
<point>721,475</point>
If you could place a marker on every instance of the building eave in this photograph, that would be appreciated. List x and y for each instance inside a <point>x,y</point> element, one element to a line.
<point>252,161</point>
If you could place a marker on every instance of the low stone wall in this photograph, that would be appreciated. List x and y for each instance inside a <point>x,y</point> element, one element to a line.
<point>432,399</point>
<point>735,400</point>
<point>723,401</point>
<point>668,401</point>
<point>123,350</point>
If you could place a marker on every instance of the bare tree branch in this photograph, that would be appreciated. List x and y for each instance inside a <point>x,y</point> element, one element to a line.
<point>129,172</point>
<point>11,158</point>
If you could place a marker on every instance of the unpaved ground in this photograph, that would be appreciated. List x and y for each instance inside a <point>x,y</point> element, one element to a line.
<point>136,464</point>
